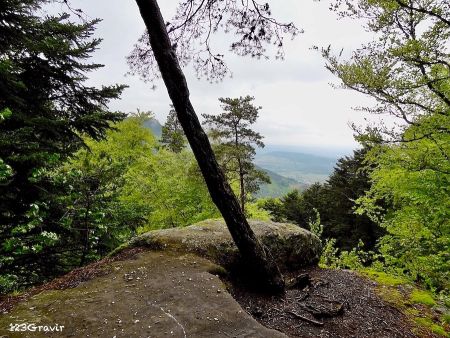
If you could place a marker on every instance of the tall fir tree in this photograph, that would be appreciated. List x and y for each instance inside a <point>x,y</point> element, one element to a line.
<point>349,181</point>
<point>45,109</point>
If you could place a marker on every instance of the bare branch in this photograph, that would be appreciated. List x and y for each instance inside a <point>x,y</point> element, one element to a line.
<point>250,23</point>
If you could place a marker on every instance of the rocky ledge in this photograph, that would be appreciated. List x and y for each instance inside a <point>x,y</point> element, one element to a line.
<point>170,289</point>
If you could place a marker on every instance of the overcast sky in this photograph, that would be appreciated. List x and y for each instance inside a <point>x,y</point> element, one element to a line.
<point>300,109</point>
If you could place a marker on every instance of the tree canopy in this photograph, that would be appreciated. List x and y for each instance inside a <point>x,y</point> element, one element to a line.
<point>406,68</point>
<point>255,32</point>
<point>172,136</point>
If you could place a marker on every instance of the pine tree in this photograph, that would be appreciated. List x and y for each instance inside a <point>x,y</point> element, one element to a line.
<point>236,143</point>
<point>349,181</point>
<point>172,136</point>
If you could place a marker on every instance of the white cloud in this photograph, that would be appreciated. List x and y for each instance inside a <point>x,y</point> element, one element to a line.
<point>299,107</point>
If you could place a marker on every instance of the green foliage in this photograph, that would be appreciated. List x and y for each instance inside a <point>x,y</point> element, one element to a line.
<point>255,211</point>
<point>5,172</point>
<point>354,259</point>
<point>336,203</point>
<point>274,207</point>
<point>414,178</point>
<point>8,283</point>
<point>315,226</point>
<point>92,185</point>
<point>103,195</point>
<point>235,144</point>
<point>406,69</point>
<point>290,208</point>
<point>173,185</point>
<point>131,187</point>
<point>166,189</point>
<point>329,257</point>
<point>5,113</point>
<point>422,297</point>
<point>446,318</point>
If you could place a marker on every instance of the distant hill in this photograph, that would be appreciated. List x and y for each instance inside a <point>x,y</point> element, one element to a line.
<point>154,126</point>
<point>287,170</point>
<point>279,185</point>
<point>301,167</point>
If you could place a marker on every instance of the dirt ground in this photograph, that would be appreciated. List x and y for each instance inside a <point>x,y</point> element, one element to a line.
<point>336,303</point>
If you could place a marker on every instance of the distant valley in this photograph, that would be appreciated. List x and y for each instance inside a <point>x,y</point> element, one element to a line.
<point>279,185</point>
<point>305,168</point>
<point>287,170</point>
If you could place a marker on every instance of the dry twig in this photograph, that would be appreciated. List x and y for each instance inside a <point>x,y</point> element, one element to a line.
<point>312,321</point>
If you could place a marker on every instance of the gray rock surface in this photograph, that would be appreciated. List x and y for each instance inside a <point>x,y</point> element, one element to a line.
<point>291,246</point>
<point>157,295</point>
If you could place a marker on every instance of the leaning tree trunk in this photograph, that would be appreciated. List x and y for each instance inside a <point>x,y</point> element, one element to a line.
<point>259,260</point>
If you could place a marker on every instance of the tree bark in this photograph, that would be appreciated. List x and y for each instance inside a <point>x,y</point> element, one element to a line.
<point>256,257</point>
<point>241,183</point>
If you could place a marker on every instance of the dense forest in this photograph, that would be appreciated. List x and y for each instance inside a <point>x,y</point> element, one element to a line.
<point>78,180</point>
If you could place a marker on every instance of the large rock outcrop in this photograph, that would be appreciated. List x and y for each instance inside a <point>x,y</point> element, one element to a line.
<point>170,290</point>
<point>291,246</point>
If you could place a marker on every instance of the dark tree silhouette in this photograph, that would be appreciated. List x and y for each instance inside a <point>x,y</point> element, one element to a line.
<point>46,107</point>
